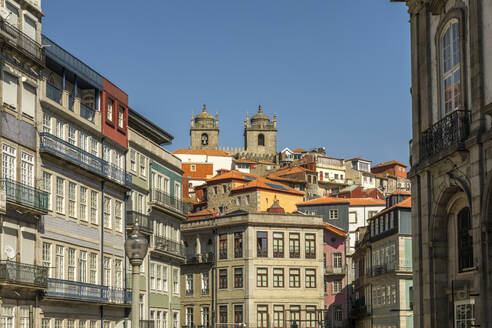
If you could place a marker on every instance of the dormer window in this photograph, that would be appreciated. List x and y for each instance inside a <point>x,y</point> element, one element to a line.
<point>450,69</point>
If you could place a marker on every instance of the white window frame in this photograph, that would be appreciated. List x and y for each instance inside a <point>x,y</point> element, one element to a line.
<point>27,169</point>
<point>454,68</point>
<point>9,162</point>
<point>60,195</point>
<point>333,214</point>
<point>109,109</point>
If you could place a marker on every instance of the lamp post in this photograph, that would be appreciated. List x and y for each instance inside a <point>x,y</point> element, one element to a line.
<point>136,246</point>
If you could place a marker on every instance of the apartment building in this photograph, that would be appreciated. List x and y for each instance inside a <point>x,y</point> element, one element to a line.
<point>22,202</point>
<point>81,168</point>
<point>256,269</point>
<point>383,286</point>
<point>155,204</point>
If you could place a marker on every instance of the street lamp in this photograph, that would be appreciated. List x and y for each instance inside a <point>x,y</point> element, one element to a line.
<point>136,246</point>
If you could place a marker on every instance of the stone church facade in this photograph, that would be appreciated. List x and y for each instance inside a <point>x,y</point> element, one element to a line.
<point>260,135</point>
<point>451,159</point>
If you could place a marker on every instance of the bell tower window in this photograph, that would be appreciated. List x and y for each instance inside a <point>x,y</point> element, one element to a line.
<point>261,139</point>
<point>204,139</point>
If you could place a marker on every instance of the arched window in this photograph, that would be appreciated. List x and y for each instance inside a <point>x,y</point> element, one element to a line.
<point>261,139</point>
<point>204,139</point>
<point>465,240</point>
<point>451,97</point>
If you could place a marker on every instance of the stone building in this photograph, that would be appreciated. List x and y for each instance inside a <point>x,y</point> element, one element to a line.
<point>204,131</point>
<point>254,269</point>
<point>260,134</point>
<point>451,159</point>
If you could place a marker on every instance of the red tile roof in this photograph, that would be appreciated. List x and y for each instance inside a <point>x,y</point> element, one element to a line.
<point>289,170</point>
<point>326,200</point>
<point>300,150</point>
<point>234,175</point>
<point>350,201</point>
<point>243,160</point>
<point>407,203</point>
<point>265,184</point>
<point>390,163</point>
<point>209,152</point>
<point>206,213</point>
<point>334,229</point>
<point>401,192</point>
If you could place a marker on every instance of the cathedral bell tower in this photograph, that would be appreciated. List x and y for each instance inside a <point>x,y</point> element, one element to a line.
<point>204,131</point>
<point>260,134</point>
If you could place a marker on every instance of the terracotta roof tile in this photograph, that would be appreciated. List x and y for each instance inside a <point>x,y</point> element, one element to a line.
<point>334,229</point>
<point>326,200</point>
<point>265,184</point>
<point>393,162</point>
<point>366,201</point>
<point>300,150</point>
<point>350,201</point>
<point>209,152</point>
<point>234,175</point>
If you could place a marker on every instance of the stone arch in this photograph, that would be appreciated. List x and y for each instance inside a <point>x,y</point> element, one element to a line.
<point>204,139</point>
<point>261,139</point>
<point>441,306</point>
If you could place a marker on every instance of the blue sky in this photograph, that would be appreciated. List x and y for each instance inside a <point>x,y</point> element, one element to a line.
<point>336,72</point>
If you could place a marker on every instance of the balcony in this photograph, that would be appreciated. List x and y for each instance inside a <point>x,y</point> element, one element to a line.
<point>146,324</point>
<point>335,271</point>
<point>23,42</point>
<point>60,148</point>
<point>189,292</point>
<point>446,133</point>
<point>23,274</point>
<point>205,291</point>
<point>53,93</point>
<point>169,246</point>
<point>165,200</point>
<point>87,113</point>
<point>145,223</point>
<point>391,268</point>
<point>81,291</point>
<point>207,257</point>
<point>359,309</point>
<point>24,195</point>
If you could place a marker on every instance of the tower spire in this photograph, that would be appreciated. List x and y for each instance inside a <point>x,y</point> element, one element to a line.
<point>204,108</point>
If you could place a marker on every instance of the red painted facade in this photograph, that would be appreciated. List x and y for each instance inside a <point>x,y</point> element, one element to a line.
<point>110,128</point>
<point>393,169</point>
<point>360,192</point>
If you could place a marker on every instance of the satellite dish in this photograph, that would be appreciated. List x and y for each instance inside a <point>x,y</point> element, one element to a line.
<point>9,252</point>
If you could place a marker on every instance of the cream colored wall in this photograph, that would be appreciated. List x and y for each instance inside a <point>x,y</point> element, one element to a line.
<point>287,201</point>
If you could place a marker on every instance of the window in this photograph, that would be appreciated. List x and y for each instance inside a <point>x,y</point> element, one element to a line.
<point>109,110</point>
<point>352,217</point>
<point>336,260</point>
<point>93,207</point>
<point>83,266</point>
<point>47,257</point>
<point>310,278</point>
<point>247,199</point>
<point>10,86</point>
<point>83,203</point>
<point>278,316</point>
<point>118,273</point>
<point>294,278</point>
<point>336,286</point>
<point>189,316</point>
<point>71,264</point>
<point>310,316</point>
<point>27,169</point>
<point>28,100</point>
<point>133,160</point>
<point>295,314</point>
<point>118,216</point>
<point>278,244</point>
<point>205,283</point>
<point>45,323</point>
<point>189,284</point>
<point>46,122</point>
<point>60,195</point>
<point>204,139</point>
<point>164,278</point>
<point>223,314</point>
<point>205,316</point>
<point>238,314</point>
<point>175,319</point>
<point>238,277</point>
<point>223,246</point>
<point>450,69</point>
<point>158,277</point>
<point>262,244</point>
<point>121,112</point>
<point>29,27</point>
<point>71,199</point>
<point>94,146</point>
<point>333,214</point>
<point>224,188</point>
<point>310,246</point>
<point>107,212</point>
<point>261,139</point>
<point>465,240</point>
<point>278,277</point>
<point>143,165</point>
<point>222,278</point>
<point>464,313</point>
<point>93,268</point>
<point>338,312</point>
<point>9,162</point>
<point>175,281</point>
<point>106,271</point>
<point>294,247</point>
<point>60,262</point>
<point>58,323</point>
<point>238,244</point>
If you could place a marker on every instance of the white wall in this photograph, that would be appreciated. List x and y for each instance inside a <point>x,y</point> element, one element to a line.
<point>361,216</point>
<point>219,162</point>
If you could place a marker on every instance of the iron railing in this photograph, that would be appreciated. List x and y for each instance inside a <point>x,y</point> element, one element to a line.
<point>24,42</point>
<point>390,267</point>
<point>74,290</point>
<point>333,271</point>
<point>164,199</point>
<point>53,93</point>
<point>449,131</point>
<point>170,246</point>
<point>52,144</point>
<point>87,112</point>
<point>25,195</point>
<point>23,274</point>
<point>146,324</point>
<point>144,221</point>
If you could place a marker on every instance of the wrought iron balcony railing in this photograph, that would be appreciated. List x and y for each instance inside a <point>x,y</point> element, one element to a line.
<point>53,93</point>
<point>23,274</point>
<point>391,267</point>
<point>87,112</point>
<point>162,198</point>
<point>170,246</point>
<point>23,42</point>
<point>144,221</point>
<point>54,145</point>
<point>205,291</point>
<point>25,195</point>
<point>74,290</point>
<point>449,131</point>
<point>334,271</point>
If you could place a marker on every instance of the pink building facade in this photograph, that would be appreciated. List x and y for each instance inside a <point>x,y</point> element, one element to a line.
<point>335,284</point>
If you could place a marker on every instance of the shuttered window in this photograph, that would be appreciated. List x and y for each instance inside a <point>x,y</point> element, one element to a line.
<point>10,83</point>
<point>29,27</point>
<point>28,100</point>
